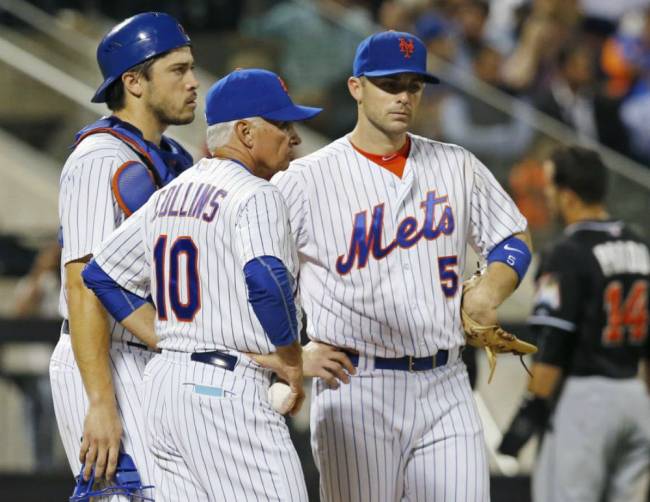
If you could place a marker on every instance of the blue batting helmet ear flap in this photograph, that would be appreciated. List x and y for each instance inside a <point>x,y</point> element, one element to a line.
<point>126,483</point>
<point>132,42</point>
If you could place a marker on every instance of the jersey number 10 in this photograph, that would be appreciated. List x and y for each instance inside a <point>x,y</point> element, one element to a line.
<point>631,313</point>
<point>184,308</point>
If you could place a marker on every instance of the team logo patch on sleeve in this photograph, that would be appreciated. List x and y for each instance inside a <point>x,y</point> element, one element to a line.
<point>548,291</point>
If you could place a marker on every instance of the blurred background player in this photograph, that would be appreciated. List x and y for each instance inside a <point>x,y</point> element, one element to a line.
<point>117,163</point>
<point>591,321</point>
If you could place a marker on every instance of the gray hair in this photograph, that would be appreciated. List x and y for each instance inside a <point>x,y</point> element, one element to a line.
<point>218,135</point>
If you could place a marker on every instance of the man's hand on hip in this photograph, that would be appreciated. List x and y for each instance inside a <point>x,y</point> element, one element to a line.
<point>329,363</point>
<point>286,362</point>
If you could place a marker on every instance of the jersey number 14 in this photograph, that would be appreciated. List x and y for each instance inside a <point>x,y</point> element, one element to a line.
<point>630,313</point>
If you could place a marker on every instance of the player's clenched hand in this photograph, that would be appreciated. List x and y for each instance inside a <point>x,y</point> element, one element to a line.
<point>286,363</point>
<point>329,363</point>
<point>101,440</point>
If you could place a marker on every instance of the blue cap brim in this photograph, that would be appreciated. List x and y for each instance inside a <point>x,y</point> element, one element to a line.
<point>430,79</point>
<point>292,113</point>
<point>100,94</point>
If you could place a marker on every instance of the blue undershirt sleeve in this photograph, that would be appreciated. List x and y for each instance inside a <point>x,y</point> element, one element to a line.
<point>270,293</point>
<point>119,302</point>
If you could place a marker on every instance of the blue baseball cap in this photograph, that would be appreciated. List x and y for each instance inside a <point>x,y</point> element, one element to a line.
<point>390,53</point>
<point>253,93</point>
<point>132,42</point>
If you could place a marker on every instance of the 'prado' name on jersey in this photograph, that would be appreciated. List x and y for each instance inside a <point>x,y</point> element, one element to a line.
<point>625,257</point>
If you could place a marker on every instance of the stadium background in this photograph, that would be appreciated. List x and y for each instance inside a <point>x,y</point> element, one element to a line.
<point>519,76</point>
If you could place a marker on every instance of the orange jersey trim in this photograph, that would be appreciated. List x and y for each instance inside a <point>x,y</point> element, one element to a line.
<point>393,162</point>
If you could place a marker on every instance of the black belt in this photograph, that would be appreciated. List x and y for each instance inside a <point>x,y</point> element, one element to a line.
<point>406,363</point>
<point>65,330</point>
<point>216,358</point>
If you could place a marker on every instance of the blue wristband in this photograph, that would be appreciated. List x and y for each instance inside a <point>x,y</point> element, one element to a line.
<point>513,252</point>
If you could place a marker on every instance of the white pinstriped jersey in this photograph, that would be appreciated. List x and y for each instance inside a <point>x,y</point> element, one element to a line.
<point>88,211</point>
<point>381,257</point>
<point>188,246</point>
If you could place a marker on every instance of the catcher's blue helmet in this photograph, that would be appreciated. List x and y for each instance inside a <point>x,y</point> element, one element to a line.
<point>127,483</point>
<point>133,41</point>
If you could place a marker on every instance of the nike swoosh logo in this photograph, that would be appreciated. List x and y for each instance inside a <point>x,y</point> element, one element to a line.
<point>508,248</point>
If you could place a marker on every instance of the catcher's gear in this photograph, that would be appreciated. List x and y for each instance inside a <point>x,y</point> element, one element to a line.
<point>165,162</point>
<point>133,41</point>
<point>127,483</point>
<point>494,339</point>
<point>133,184</point>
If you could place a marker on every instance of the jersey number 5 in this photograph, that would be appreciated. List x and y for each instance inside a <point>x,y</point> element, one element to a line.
<point>448,276</point>
<point>631,313</point>
<point>182,289</point>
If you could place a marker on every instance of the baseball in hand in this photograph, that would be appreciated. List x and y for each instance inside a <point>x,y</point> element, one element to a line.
<point>280,397</point>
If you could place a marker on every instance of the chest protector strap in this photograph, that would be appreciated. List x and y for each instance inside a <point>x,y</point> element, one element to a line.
<point>134,182</point>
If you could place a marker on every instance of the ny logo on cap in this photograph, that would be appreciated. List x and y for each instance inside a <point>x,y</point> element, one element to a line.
<point>406,47</point>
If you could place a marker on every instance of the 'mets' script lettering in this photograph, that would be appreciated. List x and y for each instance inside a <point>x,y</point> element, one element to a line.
<point>365,240</point>
<point>189,201</point>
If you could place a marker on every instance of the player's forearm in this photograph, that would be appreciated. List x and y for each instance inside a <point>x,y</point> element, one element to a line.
<point>497,284</point>
<point>141,323</point>
<point>131,310</point>
<point>545,380</point>
<point>531,417</point>
<point>535,409</point>
<point>291,354</point>
<point>90,337</point>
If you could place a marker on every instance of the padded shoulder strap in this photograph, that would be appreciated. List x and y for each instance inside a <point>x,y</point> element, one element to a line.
<point>132,186</point>
<point>107,127</point>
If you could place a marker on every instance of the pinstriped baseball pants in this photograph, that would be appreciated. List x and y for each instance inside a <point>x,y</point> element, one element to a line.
<point>215,437</point>
<point>71,403</point>
<point>394,436</point>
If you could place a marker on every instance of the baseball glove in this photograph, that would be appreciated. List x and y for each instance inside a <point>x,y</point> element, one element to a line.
<point>494,339</point>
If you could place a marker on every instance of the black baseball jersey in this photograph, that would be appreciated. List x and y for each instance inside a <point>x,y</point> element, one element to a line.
<point>591,307</point>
